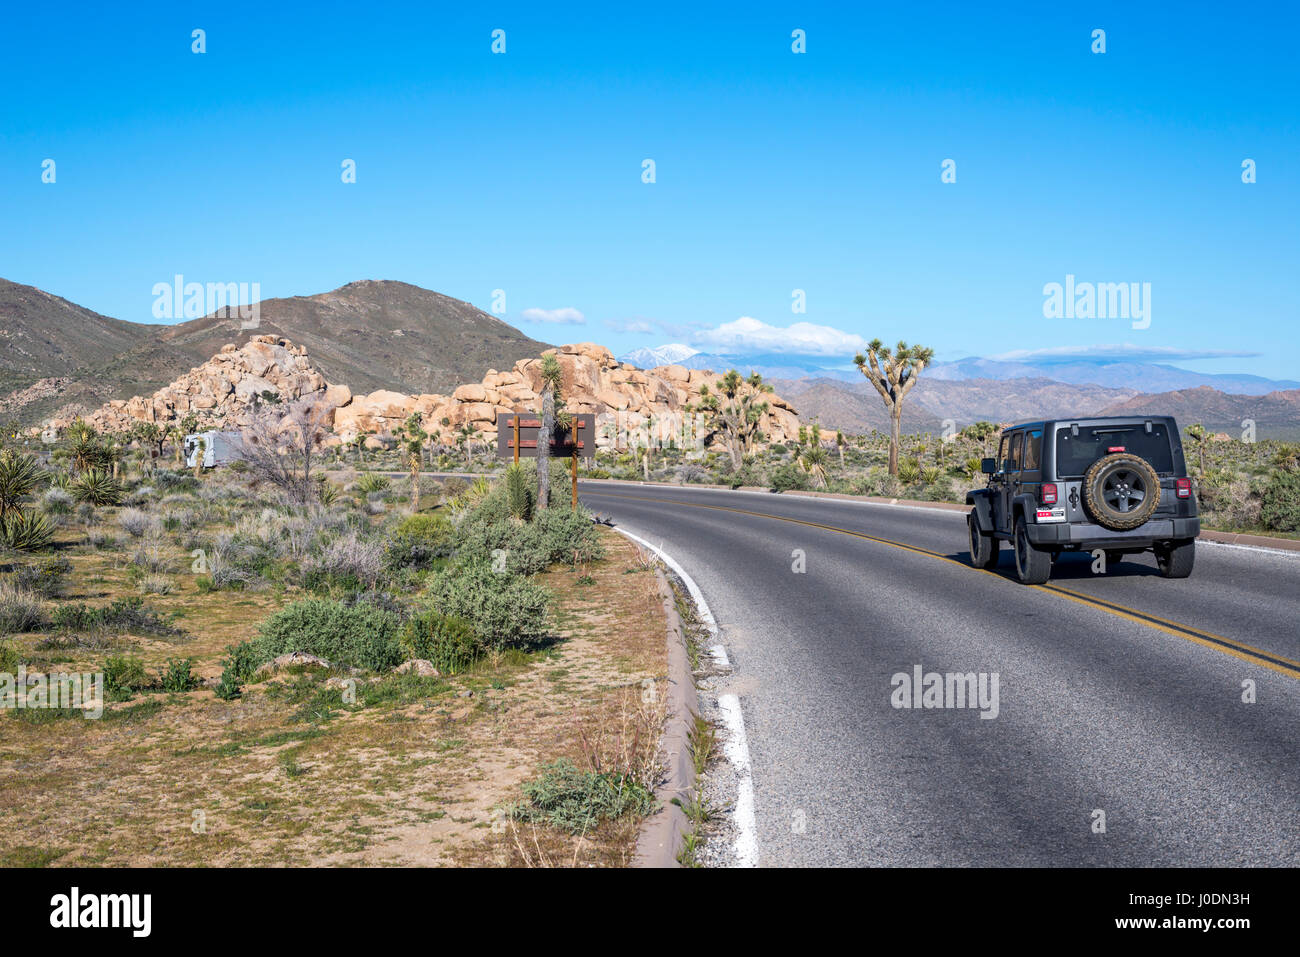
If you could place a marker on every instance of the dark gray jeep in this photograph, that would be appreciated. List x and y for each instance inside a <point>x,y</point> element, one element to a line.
<point>1116,484</point>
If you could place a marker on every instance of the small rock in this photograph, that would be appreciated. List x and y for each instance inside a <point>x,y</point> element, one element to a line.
<point>421,666</point>
<point>292,658</point>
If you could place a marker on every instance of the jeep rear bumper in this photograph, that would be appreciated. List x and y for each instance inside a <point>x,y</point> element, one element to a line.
<point>1085,536</point>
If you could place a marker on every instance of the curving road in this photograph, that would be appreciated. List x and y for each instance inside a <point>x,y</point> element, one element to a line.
<point>1120,693</point>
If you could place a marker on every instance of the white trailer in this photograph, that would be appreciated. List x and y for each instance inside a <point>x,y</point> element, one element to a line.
<point>219,448</point>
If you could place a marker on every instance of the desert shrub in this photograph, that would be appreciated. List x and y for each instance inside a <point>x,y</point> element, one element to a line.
<point>450,644</point>
<point>508,611</point>
<point>373,482</point>
<point>56,501</point>
<point>348,560</point>
<point>102,538</point>
<point>124,675</point>
<point>577,801</point>
<point>787,478</point>
<point>123,615</point>
<point>21,609</point>
<point>454,487</point>
<point>26,530</point>
<point>96,488</point>
<point>10,658</point>
<point>136,522</point>
<point>419,540</point>
<point>151,556</point>
<point>1280,502</point>
<point>167,480</point>
<point>178,676</point>
<point>45,578</point>
<point>569,536</point>
<point>359,636</point>
<point>155,585</point>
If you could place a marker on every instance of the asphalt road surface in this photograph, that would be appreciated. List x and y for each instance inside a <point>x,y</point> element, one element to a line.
<point>1119,693</point>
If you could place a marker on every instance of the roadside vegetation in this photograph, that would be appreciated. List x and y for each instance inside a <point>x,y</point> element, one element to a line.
<point>314,666</point>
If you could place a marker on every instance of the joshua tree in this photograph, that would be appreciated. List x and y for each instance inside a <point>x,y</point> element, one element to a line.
<point>735,410</point>
<point>551,377</point>
<point>893,373</point>
<point>1200,435</point>
<point>413,436</point>
<point>839,445</point>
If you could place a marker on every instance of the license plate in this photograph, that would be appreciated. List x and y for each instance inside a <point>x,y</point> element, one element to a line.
<point>1046,516</point>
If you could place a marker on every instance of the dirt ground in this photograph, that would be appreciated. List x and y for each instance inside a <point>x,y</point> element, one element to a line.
<point>415,773</point>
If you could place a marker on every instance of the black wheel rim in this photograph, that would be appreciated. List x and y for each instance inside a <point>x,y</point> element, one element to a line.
<point>1124,490</point>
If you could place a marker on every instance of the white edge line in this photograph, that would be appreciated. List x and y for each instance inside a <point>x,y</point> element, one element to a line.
<point>737,746</point>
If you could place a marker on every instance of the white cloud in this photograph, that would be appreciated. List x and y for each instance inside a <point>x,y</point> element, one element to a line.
<point>748,334</point>
<point>1119,353</point>
<point>564,316</point>
<point>637,326</point>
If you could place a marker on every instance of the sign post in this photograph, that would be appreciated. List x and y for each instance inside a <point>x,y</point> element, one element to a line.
<point>573,463</point>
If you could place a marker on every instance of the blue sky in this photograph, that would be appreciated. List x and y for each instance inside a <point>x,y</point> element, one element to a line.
<point>775,171</point>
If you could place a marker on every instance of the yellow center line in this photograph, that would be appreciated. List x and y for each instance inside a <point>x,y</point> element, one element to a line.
<point>1206,639</point>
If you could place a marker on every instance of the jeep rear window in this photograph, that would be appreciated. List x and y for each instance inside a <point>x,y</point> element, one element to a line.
<point>1074,453</point>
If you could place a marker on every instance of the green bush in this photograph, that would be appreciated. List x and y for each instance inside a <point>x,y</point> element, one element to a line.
<point>360,636</point>
<point>124,614</point>
<point>577,801</point>
<point>1280,503</point>
<point>124,675</point>
<point>450,644</point>
<point>419,541</point>
<point>508,611</point>
<point>788,478</point>
<point>178,676</point>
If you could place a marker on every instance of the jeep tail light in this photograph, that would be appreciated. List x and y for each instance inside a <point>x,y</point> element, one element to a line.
<point>1183,487</point>
<point>1048,494</point>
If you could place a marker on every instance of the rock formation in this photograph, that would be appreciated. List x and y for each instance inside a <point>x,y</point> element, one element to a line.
<point>223,392</point>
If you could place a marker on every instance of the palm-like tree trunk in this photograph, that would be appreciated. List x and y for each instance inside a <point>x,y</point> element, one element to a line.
<point>544,448</point>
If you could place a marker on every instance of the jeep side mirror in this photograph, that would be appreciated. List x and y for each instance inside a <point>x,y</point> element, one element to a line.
<point>988,466</point>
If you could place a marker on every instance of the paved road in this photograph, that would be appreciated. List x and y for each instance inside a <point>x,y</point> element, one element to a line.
<point>1120,693</point>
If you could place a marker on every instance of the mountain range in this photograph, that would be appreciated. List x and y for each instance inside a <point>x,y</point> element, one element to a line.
<point>384,334</point>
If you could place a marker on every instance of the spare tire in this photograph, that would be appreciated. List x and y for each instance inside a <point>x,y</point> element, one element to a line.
<point>1121,491</point>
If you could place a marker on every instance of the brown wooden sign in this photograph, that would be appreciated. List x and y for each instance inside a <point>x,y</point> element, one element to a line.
<point>561,445</point>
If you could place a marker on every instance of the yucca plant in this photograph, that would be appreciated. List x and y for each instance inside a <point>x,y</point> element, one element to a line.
<point>519,496</point>
<point>372,482</point>
<point>931,474</point>
<point>20,476</point>
<point>27,529</point>
<point>97,488</point>
<point>909,471</point>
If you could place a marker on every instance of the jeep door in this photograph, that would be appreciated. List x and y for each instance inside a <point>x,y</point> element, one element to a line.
<point>1004,482</point>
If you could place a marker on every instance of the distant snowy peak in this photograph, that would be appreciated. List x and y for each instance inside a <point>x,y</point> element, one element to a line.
<point>671,354</point>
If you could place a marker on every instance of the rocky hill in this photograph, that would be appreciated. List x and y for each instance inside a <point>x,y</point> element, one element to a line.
<point>369,334</point>
<point>222,393</point>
